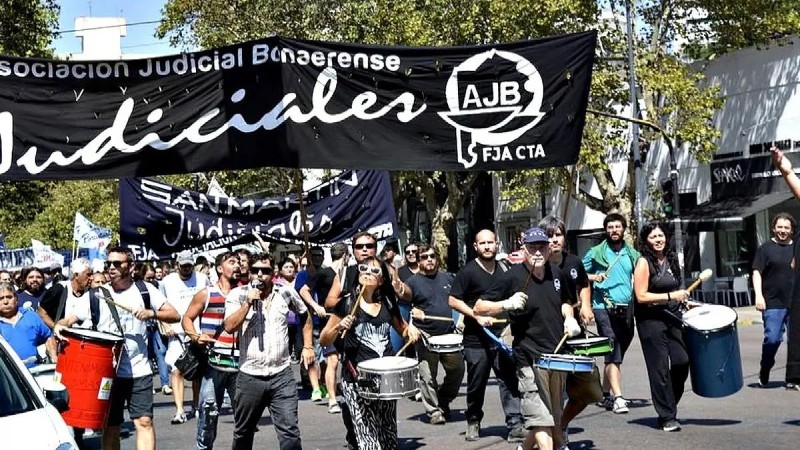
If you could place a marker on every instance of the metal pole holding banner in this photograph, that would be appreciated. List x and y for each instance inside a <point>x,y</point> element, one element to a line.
<point>637,161</point>
<point>298,181</point>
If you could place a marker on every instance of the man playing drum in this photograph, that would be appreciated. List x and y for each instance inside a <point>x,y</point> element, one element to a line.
<point>209,306</point>
<point>533,294</point>
<point>481,353</point>
<point>582,388</point>
<point>429,292</point>
<point>610,267</point>
<point>265,377</point>
<point>134,383</point>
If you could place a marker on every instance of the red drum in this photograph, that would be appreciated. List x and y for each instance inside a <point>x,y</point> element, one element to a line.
<point>87,364</point>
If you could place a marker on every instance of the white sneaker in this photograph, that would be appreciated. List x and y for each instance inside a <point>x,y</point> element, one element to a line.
<point>620,405</point>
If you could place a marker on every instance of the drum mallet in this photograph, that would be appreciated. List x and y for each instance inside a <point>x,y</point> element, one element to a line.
<point>353,309</point>
<point>561,342</point>
<point>440,318</point>
<point>704,276</point>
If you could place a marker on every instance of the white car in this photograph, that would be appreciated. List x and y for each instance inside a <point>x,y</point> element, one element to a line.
<point>29,418</point>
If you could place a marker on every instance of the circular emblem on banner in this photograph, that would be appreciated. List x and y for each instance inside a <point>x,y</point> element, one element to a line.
<point>494,98</point>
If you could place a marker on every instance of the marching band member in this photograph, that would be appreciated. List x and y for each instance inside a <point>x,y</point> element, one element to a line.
<point>429,292</point>
<point>371,424</point>
<point>658,299</point>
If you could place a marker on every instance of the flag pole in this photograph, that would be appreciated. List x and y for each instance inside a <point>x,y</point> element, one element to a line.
<point>298,180</point>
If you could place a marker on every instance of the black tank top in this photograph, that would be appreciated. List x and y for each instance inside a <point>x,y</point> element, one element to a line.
<point>661,281</point>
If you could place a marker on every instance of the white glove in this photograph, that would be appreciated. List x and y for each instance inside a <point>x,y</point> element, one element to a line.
<point>516,302</point>
<point>571,327</point>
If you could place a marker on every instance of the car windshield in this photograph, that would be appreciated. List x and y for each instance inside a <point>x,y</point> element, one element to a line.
<point>16,396</point>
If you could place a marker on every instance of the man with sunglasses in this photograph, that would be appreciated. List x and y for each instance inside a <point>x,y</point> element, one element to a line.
<point>209,306</point>
<point>364,246</point>
<point>411,265</point>
<point>265,377</point>
<point>430,289</point>
<point>134,383</point>
<point>179,288</point>
<point>481,352</point>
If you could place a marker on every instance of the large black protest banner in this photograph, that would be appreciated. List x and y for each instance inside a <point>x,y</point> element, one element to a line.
<point>158,220</point>
<point>289,103</point>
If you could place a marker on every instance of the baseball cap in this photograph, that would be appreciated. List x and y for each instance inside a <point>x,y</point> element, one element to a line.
<point>184,257</point>
<point>534,235</point>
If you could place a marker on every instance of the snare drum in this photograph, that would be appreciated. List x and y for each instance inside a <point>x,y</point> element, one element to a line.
<point>592,346</point>
<point>446,343</point>
<point>223,359</point>
<point>388,378</point>
<point>565,363</point>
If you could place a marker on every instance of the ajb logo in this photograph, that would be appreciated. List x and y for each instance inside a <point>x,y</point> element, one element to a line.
<point>497,112</point>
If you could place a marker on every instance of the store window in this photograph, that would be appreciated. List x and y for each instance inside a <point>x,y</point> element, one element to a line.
<point>735,251</point>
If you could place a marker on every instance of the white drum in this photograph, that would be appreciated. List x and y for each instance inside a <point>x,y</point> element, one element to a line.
<point>446,343</point>
<point>388,378</point>
<point>709,318</point>
<point>43,373</point>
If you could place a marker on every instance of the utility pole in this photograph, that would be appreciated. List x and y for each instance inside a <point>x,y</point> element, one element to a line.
<point>637,162</point>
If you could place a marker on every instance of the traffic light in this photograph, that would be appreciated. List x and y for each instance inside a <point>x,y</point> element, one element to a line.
<point>667,197</point>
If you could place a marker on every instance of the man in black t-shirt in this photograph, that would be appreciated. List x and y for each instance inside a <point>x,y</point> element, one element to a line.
<point>582,388</point>
<point>772,283</point>
<point>532,293</point>
<point>411,265</point>
<point>429,292</point>
<point>480,350</point>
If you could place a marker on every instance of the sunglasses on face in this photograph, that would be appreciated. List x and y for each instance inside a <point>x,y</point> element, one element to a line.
<point>116,264</point>
<point>363,246</point>
<point>411,252</point>
<point>366,268</point>
<point>260,270</point>
<point>425,256</point>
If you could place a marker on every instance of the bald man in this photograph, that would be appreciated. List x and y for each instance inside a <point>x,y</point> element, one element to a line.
<point>480,352</point>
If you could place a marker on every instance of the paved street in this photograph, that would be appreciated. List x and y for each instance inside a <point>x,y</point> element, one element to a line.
<point>753,418</point>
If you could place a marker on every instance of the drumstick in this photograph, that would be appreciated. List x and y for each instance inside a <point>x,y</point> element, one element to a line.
<point>198,335</point>
<point>440,318</point>
<point>403,348</point>
<point>354,309</point>
<point>560,343</point>
<point>704,276</point>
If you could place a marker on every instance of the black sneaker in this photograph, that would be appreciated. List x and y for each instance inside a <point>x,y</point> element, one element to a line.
<point>763,378</point>
<point>445,411</point>
<point>671,425</point>
<point>473,431</point>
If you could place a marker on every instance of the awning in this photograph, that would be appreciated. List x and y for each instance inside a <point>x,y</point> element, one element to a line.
<point>728,214</point>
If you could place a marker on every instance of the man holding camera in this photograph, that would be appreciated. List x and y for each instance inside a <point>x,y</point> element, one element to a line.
<point>265,375</point>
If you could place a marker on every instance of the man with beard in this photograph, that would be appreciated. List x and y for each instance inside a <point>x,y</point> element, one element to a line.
<point>133,386</point>
<point>221,373</point>
<point>265,377</point>
<point>610,267</point>
<point>772,283</point>
<point>63,297</point>
<point>179,288</point>
<point>32,288</point>
<point>411,265</point>
<point>582,389</point>
<point>245,259</point>
<point>429,296</point>
<point>481,352</point>
<point>533,294</point>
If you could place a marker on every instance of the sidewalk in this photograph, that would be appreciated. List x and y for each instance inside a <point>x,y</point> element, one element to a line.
<point>748,316</point>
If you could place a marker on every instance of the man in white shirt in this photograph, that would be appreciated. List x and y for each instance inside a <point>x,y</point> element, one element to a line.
<point>134,383</point>
<point>59,301</point>
<point>179,287</point>
<point>265,376</point>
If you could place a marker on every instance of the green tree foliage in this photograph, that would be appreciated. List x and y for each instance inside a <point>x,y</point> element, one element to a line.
<point>191,23</point>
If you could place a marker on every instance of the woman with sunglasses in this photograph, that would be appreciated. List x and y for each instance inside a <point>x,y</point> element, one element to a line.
<point>371,424</point>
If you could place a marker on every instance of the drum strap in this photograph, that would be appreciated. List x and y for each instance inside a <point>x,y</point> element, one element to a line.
<point>94,306</point>
<point>62,303</point>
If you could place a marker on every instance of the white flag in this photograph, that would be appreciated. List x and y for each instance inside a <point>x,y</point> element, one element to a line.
<point>88,234</point>
<point>215,189</point>
<point>44,256</point>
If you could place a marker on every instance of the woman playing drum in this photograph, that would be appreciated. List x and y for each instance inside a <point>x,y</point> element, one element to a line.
<point>371,424</point>
<point>656,283</point>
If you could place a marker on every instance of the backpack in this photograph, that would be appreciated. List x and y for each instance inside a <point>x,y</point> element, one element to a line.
<point>94,303</point>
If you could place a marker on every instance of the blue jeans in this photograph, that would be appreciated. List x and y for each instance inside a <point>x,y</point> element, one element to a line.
<point>776,323</point>
<point>253,395</point>
<point>157,349</point>
<point>212,391</point>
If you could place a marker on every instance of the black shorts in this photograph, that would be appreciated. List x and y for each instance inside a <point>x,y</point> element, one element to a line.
<point>136,394</point>
<point>619,328</point>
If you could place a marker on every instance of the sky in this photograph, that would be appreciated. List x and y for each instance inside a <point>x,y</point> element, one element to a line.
<point>140,38</point>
